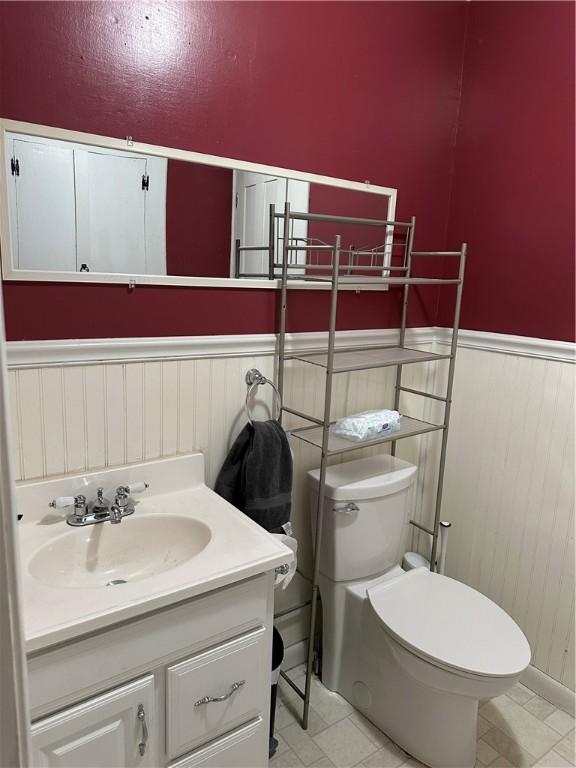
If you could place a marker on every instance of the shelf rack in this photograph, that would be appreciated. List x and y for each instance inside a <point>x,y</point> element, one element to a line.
<point>337,274</point>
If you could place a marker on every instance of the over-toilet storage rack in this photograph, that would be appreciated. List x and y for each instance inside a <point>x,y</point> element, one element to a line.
<point>340,360</point>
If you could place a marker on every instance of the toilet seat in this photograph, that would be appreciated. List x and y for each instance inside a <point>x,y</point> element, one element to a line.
<point>450,624</point>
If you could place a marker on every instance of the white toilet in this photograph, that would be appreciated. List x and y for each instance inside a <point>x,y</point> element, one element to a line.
<point>413,651</point>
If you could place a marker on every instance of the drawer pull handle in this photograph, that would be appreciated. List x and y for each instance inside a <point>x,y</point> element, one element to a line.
<point>207,699</point>
<point>142,717</point>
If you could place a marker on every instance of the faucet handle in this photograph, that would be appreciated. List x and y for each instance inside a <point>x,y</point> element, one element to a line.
<point>137,487</point>
<point>127,490</point>
<point>67,501</point>
<point>124,491</point>
<point>61,501</point>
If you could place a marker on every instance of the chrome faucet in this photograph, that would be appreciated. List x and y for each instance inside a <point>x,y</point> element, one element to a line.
<point>100,510</point>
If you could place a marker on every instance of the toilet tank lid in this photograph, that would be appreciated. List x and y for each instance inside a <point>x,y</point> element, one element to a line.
<point>369,478</point>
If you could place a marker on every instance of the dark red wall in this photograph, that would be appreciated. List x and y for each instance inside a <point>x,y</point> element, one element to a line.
<point>355,90</point>
<point>513,196</point>
<point>347,89</point>
<point>198,219</point>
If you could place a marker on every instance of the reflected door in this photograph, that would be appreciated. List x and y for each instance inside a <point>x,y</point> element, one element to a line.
<point>41,202</point>
<point>255,192</point>
<point>80,208</point>
<point>115,202</point>
<point>111,211</point>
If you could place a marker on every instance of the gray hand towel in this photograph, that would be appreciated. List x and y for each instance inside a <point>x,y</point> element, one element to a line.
<point>256,476</point>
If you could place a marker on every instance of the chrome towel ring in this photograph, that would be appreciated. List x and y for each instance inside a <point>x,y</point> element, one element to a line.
<point>253,379</point>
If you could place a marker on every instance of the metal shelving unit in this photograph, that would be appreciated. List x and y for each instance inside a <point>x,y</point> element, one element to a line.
<point>339,273</point>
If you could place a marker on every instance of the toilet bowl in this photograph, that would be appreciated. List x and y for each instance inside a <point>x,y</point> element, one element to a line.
<point>413,651</point>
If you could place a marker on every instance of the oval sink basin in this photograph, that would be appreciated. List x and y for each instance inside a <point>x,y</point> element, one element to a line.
<point>106,555</point>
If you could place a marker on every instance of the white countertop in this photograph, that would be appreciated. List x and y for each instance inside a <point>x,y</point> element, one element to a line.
<point>238,549</point>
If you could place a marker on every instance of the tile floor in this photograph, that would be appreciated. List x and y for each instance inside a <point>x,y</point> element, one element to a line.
<point>518,729</point>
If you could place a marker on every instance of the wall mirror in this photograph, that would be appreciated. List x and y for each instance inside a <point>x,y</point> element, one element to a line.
<point>81,207</point>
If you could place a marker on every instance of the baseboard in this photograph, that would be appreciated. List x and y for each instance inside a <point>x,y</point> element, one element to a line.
<point>295,654</point>
<point>549,689</point>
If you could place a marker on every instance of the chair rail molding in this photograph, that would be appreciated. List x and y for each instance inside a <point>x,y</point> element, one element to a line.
<point>507,344</point>
<point>86,351</point>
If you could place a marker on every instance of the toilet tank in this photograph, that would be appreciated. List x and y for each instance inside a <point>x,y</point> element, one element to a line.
<point>362,543</point>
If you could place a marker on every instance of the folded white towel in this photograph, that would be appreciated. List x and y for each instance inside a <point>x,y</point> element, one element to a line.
<point>366,425</point>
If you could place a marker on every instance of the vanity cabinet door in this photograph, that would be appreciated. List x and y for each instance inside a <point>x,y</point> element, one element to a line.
<point>115,730</point>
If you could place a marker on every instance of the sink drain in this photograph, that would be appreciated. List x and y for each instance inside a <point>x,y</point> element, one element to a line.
<point>116,581</point>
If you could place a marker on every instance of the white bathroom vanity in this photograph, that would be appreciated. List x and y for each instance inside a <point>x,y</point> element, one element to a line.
<point>148,641</point>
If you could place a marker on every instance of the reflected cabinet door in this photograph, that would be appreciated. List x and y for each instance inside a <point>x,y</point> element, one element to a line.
<point>110,208</point>
<point>78,208</point>
<point>115,730</point>
<point>41,201</point>
<point>120,212</point>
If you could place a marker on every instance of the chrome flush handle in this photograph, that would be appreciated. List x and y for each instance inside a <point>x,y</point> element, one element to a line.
<point>207,699</point>
<point>142,717</point>
<point>347,507</point>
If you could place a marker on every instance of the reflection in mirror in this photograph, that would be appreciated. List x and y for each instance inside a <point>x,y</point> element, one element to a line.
<point>311,241</point>
<point>75,208</point>
<point>198,220</point>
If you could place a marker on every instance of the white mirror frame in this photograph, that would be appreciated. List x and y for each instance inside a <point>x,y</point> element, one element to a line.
<point>128,145</point>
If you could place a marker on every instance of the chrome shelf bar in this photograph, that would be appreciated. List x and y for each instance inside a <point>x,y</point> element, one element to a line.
<point>361,280</point>
<point>424,394</point>
<point>327,267</point>
<point>409,246</point>
<point>326,217</point>
<point>283,300</point>
<point>347,359</point>
<point>301,415</point>
<point>408,428</point>
<point>366,358</point>
<point>448,408</point>
<point>436,253</point>
<point>310,248</point>
<point>293,685</point>
<point>422,527</point>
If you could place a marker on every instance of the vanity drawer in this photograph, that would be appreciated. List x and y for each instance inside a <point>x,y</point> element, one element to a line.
<point>216,690</point>
<point>74,671</point>
<point>245,747</point>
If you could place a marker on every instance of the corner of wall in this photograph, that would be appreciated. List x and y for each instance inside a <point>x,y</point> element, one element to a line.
<point>452,171</point>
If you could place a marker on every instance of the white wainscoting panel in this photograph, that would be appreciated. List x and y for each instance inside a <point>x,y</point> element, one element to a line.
<point>83,416</point>
<point>510,471</point>
<point>509,493</point>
